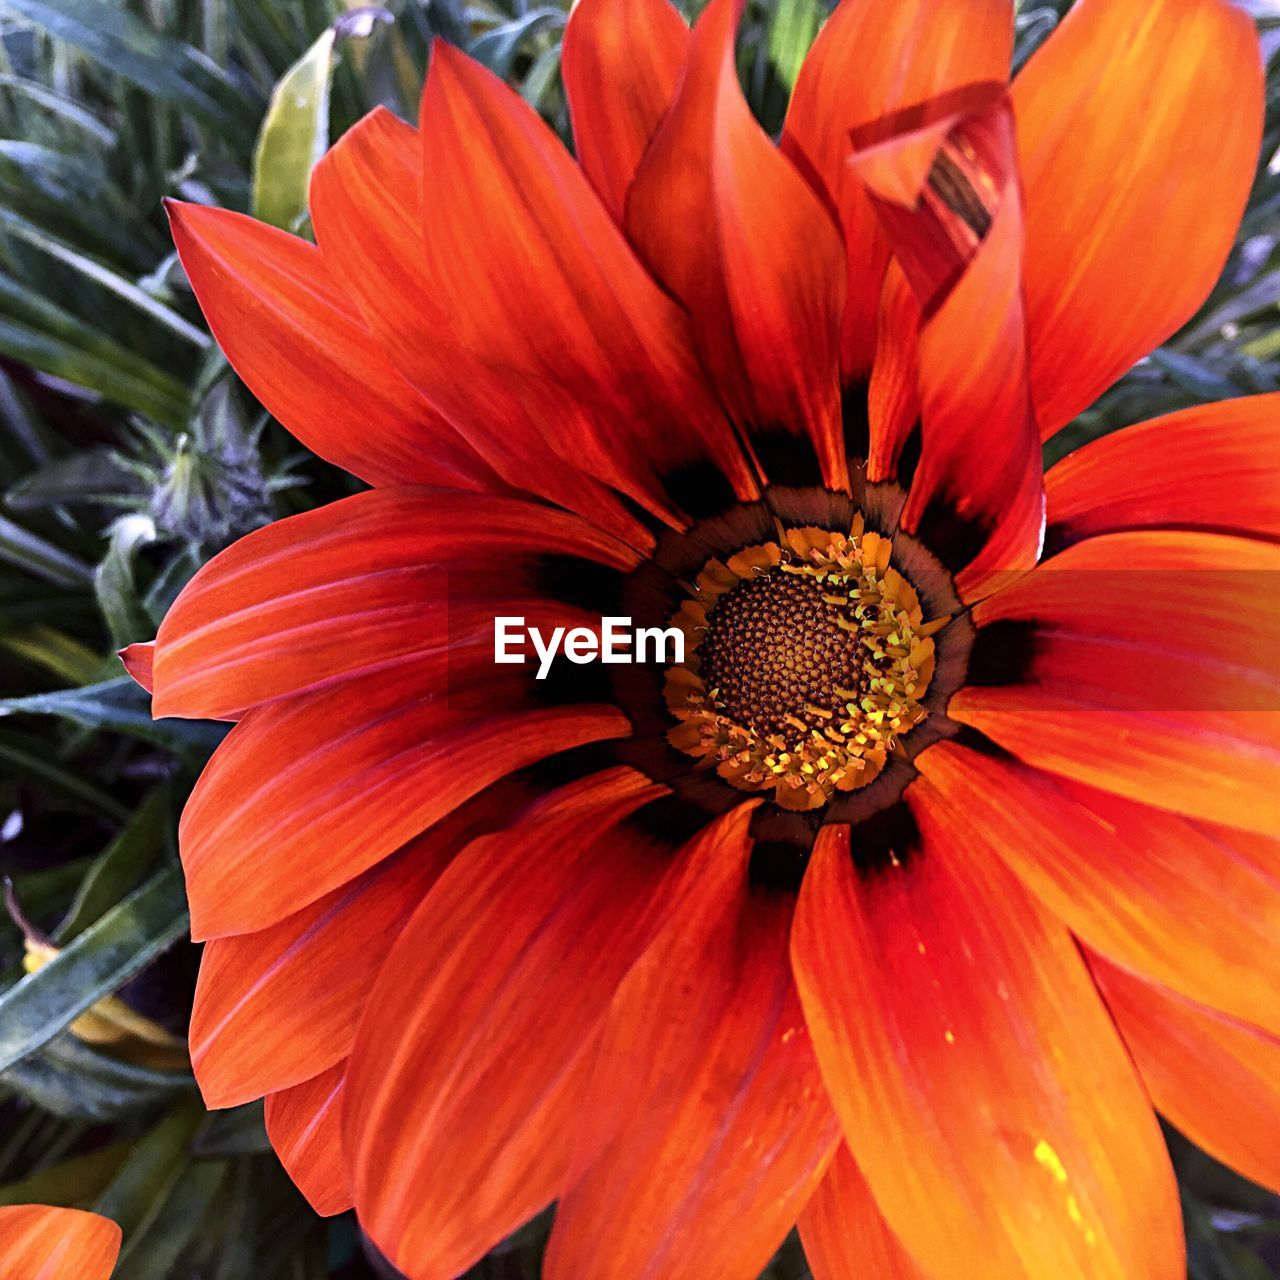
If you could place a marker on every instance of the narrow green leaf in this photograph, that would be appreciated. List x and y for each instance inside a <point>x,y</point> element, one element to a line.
<point>138,1191</point>
<point>40,557</point>
<point>241,1131</point>
<point>100,961</point>
<point>497,48</point>
<point>94,475</point>
<point>114,583</point>
<point>71,1080</point>
<point>29,757</point>
<point>156,63</point>
<point>64,108</point>
<point>75,1182</point>
<point>794,26</point>
<point>119,868</point>
<point>294,135</point>
<point>153,1254</point>
<point>103,275</point>
<point>37,332</point>
<point>1194,375</point>
<point>120,706</point>
<point>55,651</point>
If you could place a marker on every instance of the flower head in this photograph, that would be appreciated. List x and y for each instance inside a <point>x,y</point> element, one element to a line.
<point>881,909</point>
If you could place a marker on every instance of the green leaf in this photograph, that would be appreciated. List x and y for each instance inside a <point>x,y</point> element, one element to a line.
<point>64,108</point>
<point>240,1131</point>
<point>114,583</point>
<point>100,274</point>
<point>100,961</point>
<point>294,135</point>
<point>155,63</point>
<point>40,557</point>
<point>93,475</point>
<point>43,646</point>
<point>37,332</point>
<point>497,48</point>
<point>71,1080</point>
<point>153,1253</point>
<point>1194,375</point>
<point>146,1178</point>
<point>29,757</point>
<point>120,867</point>
<point>792,31</point>
<point>74,1182</point>
<point>120,706</point>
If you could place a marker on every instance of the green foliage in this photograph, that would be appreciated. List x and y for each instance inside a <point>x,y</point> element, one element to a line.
<point>129,454</point>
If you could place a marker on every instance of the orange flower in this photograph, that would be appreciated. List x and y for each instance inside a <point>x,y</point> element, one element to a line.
<point>836,919</point>
<point>38,1242</point>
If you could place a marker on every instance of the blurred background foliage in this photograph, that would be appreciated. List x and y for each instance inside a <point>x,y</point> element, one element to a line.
<point>129,454</point>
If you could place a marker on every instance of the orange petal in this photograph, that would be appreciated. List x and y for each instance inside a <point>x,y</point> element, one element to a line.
<point>275,1007</point>
<point>139,662</point>
<point>1211,467</point>
<point>303,350</point>
<point>844,1234</point>
<point>946,192</point>
<point>366,203</point>
<point>352,585</point>
<point>1217,1079</point>
<point>705,1128</point>
<point>40,1242</point>
<point>603,356</point>
<point>763,278</point>
<point>304,1124</point>
<point>621,60</point>
<point>306,793</point>
<point>1126,104</point>
<point>997,1117</point>
<point>466,1076</point>
<point>1147,666</point>
<point>893,394</point>
<point>869,62</point>
<point>1127,879</point>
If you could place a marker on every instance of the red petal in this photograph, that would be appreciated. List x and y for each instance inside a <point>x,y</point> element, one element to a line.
<point>1215,1078</point>
<point>366,202</point>
<point>601,355</point>
<point>997,1118</point>
<point>763,278</point>
<point>1152,671</point>
<point>1127,879</point>
<point>275,1007</point>
<point>347,587</point>
<point>306,793</point>
<point>621,61</point>
<point>868,62</point>
<point>1127,103</point>
<point>1211,467</point>
<point>705,1128</point>
<point>139,662</point>
<point>304,1124</point>
<point>467,1073</point>
<point>844,1234</point>
<point>947,196</point>
<point>302,349</point>
<point>40,1242</point>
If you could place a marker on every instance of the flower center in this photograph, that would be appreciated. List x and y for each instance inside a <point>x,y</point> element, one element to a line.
<point>806,659</point>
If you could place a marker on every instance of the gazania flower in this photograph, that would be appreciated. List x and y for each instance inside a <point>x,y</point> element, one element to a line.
<point>947,850</point>
<point>39,1242</point>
